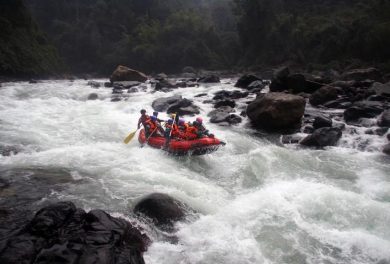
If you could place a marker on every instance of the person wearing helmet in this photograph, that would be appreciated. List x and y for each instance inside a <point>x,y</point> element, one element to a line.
<point>191,131</point>
<point>152,127</point>
<point>201,130</point>
<point>142,120</point>
<point>182,127</point>
<point>155,113</point>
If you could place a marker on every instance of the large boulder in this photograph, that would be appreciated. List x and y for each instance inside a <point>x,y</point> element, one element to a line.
<point>274,111</point>
<point>384,119</point>
<point>162,209</point>
<point>363,109</point>
<point>322,137</point>
<point>224,114</point>
<point>62,233</point>
<point>363,74</point>
<point>323,95</point>
<point>296,83</point>
<point>123,73</point>
<point>246,80</point>
<point>175,104</point>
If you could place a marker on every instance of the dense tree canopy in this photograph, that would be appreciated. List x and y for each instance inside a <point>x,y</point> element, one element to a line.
<point>24,50</point>
<point>313,31</point>
<point>94,36</point>
<point>151,35</point>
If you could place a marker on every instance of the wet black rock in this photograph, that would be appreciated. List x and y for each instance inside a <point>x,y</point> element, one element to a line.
<point>322,137</point>
<point>62,233</point>
<point>164,85</point>
<point>32,81</point>
<point>162,209</point>
<point>108,84</point>
<point>322,121</point>
<point>363,74</point>
<point>308,129</point>
<point>209,79</point>
<point>226,102</point>
<point>381,131</point>
<point>94,84</point>
<point>175,104</point>
<point>275,111</point>
<point>246,80</point>
<point>224,115</point>
<point>384,119</point>
<point>256,86</point>
<point>323,95</point>
<point>92,96</point>
<point>367,109</point>
<point>296,82</point>
<point>222,95</point>
<point>386,149</point>
<point>388,137</point>
<point>341,103</point>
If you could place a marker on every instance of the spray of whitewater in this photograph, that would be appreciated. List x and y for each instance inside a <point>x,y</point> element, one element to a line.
<point>257,201</point>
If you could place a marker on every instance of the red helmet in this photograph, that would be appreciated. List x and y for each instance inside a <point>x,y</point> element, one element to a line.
<point>199,120</point>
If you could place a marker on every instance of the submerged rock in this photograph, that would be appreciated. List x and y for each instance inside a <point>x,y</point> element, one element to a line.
<point>123,73</point>
<point>62,233</point>
<point>92,96</point>
<point>162,209</point>
<point>275,111</point>
<point>322,137</point>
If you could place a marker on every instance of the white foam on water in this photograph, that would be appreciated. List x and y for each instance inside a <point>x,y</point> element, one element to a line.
<point>257,202</point>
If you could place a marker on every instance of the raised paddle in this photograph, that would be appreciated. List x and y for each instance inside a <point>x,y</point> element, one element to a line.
<point>130,137</point>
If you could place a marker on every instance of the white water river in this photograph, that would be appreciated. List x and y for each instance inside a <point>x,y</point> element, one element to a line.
<point>258,202</point>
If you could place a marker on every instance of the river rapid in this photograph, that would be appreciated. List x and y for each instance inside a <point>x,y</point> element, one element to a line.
<point>257,200</point>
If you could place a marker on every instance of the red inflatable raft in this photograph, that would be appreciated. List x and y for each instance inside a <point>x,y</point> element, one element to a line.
<point>199,146</point>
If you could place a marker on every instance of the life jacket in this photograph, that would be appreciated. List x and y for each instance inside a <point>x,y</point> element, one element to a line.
<point>143,119</point>
<point>183,128</point>
<point>150,125</point>
<point>191,133</point>
<point>175,131</point>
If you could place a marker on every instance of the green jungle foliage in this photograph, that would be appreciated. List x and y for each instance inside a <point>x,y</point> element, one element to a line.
<point>24,50</point>
<point>150,35</point>
<point>314,31</point>
<point>94,36</point>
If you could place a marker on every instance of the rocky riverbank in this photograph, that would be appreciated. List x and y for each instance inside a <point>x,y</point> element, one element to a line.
<point>310,109</point>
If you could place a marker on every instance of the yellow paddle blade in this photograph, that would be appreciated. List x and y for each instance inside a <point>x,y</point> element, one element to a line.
<point>129,137</point>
